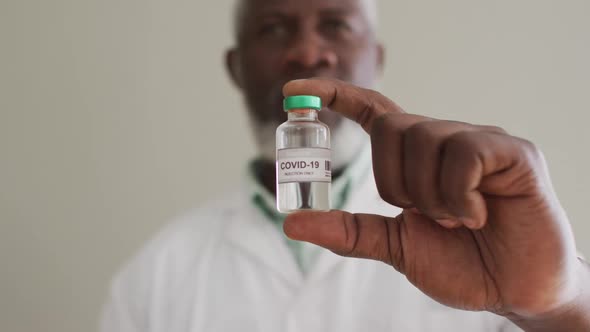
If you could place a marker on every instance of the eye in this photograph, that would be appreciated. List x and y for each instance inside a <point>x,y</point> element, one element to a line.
<point>273,30</point>
<point>335,25</point>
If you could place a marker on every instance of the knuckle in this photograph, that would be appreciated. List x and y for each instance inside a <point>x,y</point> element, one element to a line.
<point>531,152</point>
<point>493,129</point>
<point>382,125</point>
<point>369,105</point>
<point>396,250</point>
<point>528,146</point>
<point>364,116</point>
<point>350,222</point>
<point>461,143</point>
<point>420,132</point>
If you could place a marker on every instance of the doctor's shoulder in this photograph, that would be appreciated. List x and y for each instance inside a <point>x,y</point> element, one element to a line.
<point>172,255</point>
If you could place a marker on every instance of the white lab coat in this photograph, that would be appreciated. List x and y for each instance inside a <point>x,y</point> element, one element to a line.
<point>224,267</point>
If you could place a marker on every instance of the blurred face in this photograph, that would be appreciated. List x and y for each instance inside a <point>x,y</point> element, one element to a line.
<point>282,40</point>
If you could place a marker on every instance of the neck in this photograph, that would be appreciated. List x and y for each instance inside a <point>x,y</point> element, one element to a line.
<point>265,173</point>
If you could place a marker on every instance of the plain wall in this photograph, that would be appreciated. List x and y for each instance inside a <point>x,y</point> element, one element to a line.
<point>116,116</point>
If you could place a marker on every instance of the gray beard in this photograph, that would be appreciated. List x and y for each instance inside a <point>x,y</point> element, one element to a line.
<point>347,140</point>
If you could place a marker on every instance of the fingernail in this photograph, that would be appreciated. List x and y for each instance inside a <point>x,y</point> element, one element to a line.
<point>469,223</point>
<point>448,223</point>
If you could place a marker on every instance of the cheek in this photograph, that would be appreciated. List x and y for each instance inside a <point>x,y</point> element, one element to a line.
<point>262,62</point>
<point>359,66</point>
<point>260,71</point>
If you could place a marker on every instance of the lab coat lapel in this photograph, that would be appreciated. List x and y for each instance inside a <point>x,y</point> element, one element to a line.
<point>257,238</point>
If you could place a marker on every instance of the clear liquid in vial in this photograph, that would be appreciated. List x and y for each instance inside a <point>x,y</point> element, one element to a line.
<point>296,196</point>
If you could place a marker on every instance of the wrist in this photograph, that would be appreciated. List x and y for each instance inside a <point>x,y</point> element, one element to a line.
<point>573,316</point>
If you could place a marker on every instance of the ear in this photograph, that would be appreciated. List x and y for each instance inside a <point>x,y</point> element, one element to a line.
<point>380,58</point>
<point>233,65</point>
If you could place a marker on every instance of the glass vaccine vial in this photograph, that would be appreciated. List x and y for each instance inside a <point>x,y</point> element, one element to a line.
<point>303,166</point>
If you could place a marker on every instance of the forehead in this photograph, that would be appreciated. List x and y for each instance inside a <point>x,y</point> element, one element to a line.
<point>254,6</point>
<point>251,9</point>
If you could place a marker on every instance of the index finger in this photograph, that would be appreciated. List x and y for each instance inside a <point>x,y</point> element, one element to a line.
<point>358,104</point>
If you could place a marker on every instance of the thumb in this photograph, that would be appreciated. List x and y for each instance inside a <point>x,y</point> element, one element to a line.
<point>353,235</point>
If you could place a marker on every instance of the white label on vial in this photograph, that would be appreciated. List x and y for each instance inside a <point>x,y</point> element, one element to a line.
<point>304,165</point>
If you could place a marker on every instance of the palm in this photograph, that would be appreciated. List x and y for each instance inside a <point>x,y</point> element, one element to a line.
<point>445,264</point>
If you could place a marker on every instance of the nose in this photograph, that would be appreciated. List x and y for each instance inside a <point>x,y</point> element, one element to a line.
<point>309,51</point>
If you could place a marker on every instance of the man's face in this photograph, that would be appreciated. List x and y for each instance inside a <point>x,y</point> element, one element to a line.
<point>282,40</point>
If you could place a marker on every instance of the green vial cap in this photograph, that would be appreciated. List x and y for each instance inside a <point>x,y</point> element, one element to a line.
<point>302,102</point>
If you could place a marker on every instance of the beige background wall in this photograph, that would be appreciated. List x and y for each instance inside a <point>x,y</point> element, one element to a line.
<point>117,115</point>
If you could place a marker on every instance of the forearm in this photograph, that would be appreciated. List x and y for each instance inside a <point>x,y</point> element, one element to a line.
<point>572,318</point>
